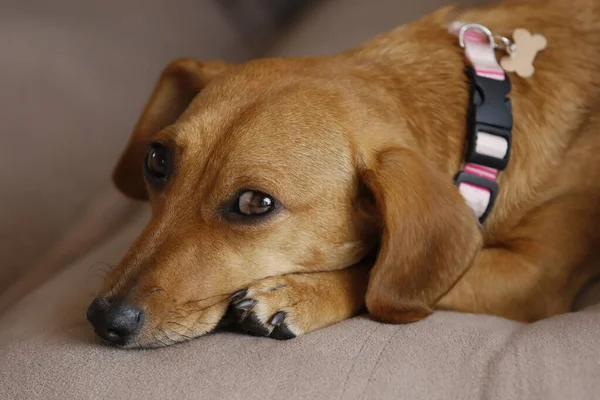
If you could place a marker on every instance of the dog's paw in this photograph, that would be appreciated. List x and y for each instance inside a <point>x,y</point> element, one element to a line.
<point>283,307</point>
<point>270,308</point>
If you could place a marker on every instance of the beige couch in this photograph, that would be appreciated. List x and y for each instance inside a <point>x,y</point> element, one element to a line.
<point>73,80</point>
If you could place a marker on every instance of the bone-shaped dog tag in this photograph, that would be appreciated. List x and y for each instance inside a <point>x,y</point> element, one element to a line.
<point>527,47</point>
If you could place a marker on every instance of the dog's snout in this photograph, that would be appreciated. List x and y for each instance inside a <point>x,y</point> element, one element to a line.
<point>115,321</point>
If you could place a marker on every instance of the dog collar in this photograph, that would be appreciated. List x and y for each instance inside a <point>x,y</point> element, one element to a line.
<point>489,120</point>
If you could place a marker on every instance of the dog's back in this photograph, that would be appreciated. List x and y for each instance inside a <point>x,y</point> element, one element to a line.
<point>541,240</point>
<point>555,134</point>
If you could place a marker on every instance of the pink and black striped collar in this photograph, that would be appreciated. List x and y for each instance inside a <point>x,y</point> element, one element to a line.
<point>489,122</point>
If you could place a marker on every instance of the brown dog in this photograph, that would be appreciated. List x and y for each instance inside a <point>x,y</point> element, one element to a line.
<point>277,180</point>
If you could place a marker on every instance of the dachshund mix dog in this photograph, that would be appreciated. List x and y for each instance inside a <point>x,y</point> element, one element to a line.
<point>290,194</point>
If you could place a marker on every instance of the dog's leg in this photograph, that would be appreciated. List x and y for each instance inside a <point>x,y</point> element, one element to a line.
<point>283,307</point>
<point>538,271</point>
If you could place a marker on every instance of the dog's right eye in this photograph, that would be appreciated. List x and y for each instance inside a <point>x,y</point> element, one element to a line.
<point>251,204</point>
<point>156,164</point>
<point>255,203</point>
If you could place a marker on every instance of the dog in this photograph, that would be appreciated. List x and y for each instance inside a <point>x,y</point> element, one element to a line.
<point>290,194</point>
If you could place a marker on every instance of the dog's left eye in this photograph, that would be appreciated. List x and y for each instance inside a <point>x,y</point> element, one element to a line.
<point>156,165</point>
<point>252,203</point>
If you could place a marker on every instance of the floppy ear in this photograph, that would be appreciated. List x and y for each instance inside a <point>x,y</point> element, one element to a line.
<point>179,83</point>
<point>430,237</point>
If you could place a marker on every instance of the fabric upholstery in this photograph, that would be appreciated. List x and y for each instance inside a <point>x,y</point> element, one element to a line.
<point>48,351</point>
<point>74,77</point>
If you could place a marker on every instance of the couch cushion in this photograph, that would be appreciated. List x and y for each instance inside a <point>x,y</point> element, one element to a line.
<point>49,352</point>
<point>74,77</point>
<point>107,212</point>
<point>338,25</point>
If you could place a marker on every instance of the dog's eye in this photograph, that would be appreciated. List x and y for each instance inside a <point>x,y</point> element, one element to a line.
<point>156,164</point>
<point>254,203</point>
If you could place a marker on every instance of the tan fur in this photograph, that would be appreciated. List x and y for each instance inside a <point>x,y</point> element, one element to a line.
<point>361,149</point>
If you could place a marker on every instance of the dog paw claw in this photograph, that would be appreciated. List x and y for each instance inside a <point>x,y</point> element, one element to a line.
<point>248,319</point>
<point>245,304</point>
<point>278,318</point>
<point>240,294</point>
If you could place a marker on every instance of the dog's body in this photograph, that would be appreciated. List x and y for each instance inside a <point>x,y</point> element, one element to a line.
<point>358,151</point>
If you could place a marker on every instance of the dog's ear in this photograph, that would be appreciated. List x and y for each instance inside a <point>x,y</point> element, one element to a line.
<point>180,81</point>
<point>429,237</point>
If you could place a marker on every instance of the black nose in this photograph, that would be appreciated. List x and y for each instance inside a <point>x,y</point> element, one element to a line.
<point>116,322</point>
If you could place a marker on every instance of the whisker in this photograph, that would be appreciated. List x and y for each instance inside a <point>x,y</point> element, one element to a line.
<point>178,312</point>
<point>153,291</point>
<point>185,336</point>
<point>102,273</point>
<point>158,340</point>
<point>160,290</point>
<point>181,334</point>
<point>207,307</point>
<point>106,264</point>
<point>166,335</point>
<point>209,297</point>
<point>101,269</point>
<point>196,322</point>
<point>181,325</point>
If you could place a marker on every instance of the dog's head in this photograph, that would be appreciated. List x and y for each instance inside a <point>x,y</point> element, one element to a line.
<point>268,168</point>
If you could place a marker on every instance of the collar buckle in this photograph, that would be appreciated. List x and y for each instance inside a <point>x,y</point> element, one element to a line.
<point>489,122</point>
<point>479,192</point>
